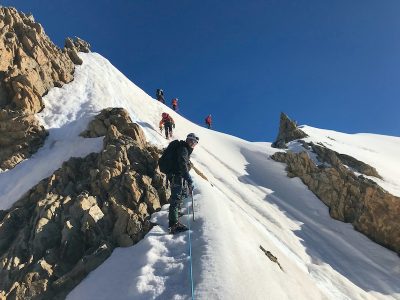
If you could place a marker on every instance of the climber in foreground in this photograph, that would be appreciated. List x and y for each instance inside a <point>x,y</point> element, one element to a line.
<point>168,123</point>
<point>160,95</point>
<point>175,163</point>
<point>208,121</point>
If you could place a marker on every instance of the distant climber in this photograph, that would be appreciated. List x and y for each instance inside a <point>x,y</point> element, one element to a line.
<point>175,104</point>
<point>160,95</point>
<point>208,121</point>
<point>168,124</point>
<point>175,163</point>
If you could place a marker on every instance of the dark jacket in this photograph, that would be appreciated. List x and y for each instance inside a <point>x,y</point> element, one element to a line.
<point>182,165</point>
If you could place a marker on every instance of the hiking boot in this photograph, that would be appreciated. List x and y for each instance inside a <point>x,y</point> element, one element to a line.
<point>177,227</point>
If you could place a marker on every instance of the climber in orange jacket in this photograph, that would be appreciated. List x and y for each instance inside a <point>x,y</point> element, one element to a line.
<point>168,124</point>
<point>175,104</point>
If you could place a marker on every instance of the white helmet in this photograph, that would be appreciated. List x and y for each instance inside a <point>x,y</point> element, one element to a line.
<point>192,136</point>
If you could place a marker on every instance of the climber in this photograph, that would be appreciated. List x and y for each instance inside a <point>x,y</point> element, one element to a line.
<point>208,121</point>
<point>175,163</point>
<point>168,124</point>
<point>160,95</point>
<point>175,104</point>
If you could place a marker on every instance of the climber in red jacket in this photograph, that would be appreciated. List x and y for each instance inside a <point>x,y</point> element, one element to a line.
<point>208,121</point>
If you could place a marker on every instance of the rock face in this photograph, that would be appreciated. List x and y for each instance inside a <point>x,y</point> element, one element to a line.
<point>30,65</point>
<point>72,47</point>
<point>70,222</point>
<point>288,131</point>
<point>350,198</point>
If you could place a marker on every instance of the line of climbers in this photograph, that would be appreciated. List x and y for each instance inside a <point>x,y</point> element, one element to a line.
<point>167,120</point>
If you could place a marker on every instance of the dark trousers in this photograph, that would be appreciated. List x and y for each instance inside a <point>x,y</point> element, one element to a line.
<point>168,129</point>
<point>161,98</point>
<point>176,200</point>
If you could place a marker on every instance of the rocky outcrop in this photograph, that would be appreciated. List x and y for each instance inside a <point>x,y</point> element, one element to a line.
<point>288,132</point>
<point>71,221</point>
<point>72,47</point>
<point>350,198</point>
<point>20,136</point>
<point>30,65</point>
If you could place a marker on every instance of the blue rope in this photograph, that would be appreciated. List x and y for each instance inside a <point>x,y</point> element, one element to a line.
<point>190,251</point>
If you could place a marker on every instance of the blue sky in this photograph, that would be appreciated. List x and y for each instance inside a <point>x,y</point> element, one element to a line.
<point>328,64</point>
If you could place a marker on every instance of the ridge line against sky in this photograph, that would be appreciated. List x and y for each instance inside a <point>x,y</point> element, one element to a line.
<point>329,65</point>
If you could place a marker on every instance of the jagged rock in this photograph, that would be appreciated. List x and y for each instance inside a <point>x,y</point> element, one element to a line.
<point>338,160</point>
<point>20,136</point>
<point>70,222</point>
<point>78,44</point>
<point>358,165</point>
<point>288,131</point>
<point>72,47</point>
<point>350,198</point>
<point>30,65</point>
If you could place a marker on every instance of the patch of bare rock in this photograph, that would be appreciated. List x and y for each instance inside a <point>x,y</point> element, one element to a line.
<point>351,198</point>
<point>30,65</point>
<point>70,222</point>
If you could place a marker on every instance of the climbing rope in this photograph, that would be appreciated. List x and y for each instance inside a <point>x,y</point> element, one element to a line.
<point>190,250</point>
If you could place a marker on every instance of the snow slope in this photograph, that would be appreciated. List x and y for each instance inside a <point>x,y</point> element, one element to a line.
<point>379,151</point>
<point>247,201</point>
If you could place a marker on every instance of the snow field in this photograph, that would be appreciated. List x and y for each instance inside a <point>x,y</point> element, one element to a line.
<point>247,201</point>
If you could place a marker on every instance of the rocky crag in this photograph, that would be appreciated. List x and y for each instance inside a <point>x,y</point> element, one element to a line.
<point>288,131</point>
<point>30,64</point>
<point>70,222</point>
<point>351,198</point>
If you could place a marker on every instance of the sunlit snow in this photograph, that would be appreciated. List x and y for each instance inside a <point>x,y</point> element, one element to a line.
<point>247,201</point>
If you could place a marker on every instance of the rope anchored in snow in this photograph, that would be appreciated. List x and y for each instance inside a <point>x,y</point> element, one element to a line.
<point>190,245</point>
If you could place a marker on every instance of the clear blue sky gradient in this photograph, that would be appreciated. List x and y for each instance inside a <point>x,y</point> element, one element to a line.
<point>328,64</point>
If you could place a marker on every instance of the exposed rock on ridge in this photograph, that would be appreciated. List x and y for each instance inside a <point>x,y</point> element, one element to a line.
<point>70,223</point>
<point>350,198</point>
<point>30,64</point>
<point>288,131</point>
<point>74,46</point>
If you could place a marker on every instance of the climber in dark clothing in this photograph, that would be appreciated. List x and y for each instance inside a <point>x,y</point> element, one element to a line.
<point>178,177</point>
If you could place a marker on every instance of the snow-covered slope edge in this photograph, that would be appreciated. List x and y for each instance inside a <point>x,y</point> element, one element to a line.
<point>379,151</point>
<point>347,185</point>
<point>250,203</point>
